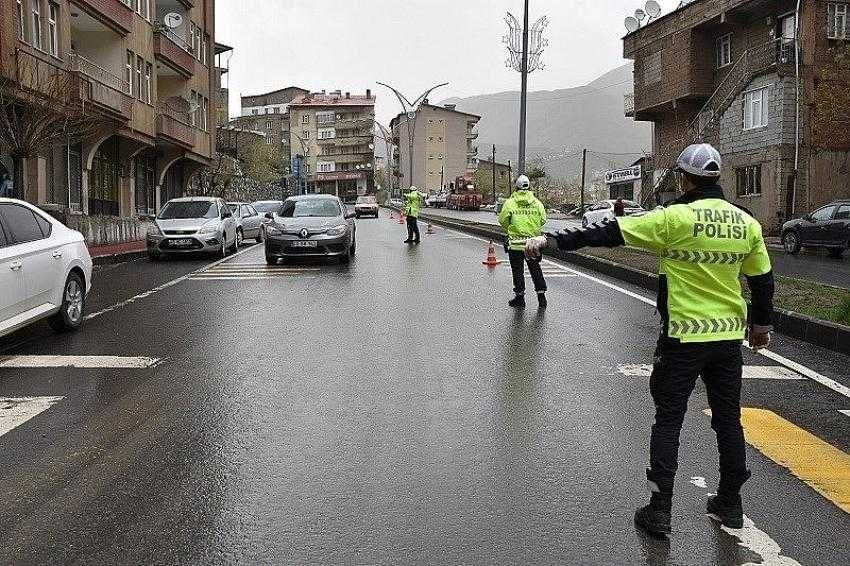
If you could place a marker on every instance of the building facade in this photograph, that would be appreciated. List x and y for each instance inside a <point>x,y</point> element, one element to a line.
<point>141,71</point>
<point>768,86</point>
<point>332,142</point>
<point>486,171</point>
<point>443,146</point>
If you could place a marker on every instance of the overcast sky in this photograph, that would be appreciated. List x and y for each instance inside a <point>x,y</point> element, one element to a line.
<point>412,44</point>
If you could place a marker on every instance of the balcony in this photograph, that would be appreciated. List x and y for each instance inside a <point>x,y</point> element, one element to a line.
<point>471,151</point>
<point>471,135</point>
<point>113,13</point>
<point>105,89</point>
<point>174,126</point>
<point>629,104</point>
<point>174,51</point>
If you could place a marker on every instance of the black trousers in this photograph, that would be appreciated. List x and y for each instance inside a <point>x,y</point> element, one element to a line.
<point>412,229</point>
<point>518,261</point>
<point>676,369</point>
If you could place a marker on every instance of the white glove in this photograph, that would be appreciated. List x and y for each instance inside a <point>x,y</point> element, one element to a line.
<point>534,246</point>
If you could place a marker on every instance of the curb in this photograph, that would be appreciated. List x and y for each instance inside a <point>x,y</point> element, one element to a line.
<point>122,257</point>
<point>829,335</point>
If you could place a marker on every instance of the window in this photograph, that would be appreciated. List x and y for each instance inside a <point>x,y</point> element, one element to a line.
<point>748,180</point>
<point>307,168</point>
<point>148,83</point>
<point>205,112</point>
<point>836,25</point>
<point>204,48</point>
<point>325,166</point>
<point>128,72</point>
<point>255,112</point>
<point>145,166</point>
<point>276,110</point>
<point>22,21</point>
<point>325,118</point>
<point>21,223</point>
<point>140,71</point>
<point>268,140</point>
<point>823,214</point>
<point>193,108</point>
<point>755,109</point>
<point>52,28</point>
<point>268,125</point>
<point>305,119</point>
<point>843,212</point>
<point>306,134</point>
<point>36,24</point>
<point>724,51</point>
<point>326,133</point>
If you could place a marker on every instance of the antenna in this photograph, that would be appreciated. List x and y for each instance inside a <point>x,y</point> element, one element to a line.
<point>652,8</point>
<point>632,25</point>
<point>640,15</point>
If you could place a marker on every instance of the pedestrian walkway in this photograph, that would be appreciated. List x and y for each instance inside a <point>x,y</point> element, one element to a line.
<point>117,249</point>
<point>251,272</point>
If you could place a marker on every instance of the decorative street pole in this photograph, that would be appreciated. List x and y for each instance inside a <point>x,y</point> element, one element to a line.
<point>525,51</point>
<point>411,110</point>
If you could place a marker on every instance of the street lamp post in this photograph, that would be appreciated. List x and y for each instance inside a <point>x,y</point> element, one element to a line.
<point>525,51</point>
<point>302,178</point>
<point>411,110</point>
<point>386,135</point>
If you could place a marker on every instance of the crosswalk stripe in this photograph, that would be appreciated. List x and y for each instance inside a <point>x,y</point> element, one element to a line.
<point>820,465</point>
<point>750,372</point>
<point>86,362</point>
<point>15,411</point>
<point>247,278</point>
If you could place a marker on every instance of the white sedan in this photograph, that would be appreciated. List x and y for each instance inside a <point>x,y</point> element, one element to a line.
<point>603,211</point>
<point>45,269</point>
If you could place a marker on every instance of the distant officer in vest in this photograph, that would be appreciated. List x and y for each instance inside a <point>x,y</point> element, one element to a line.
<point>704,244</point>
<point>522,217</point>
<point>412,207</point>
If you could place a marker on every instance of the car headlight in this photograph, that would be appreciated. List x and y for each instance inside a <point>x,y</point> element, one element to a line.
<point>209,229</point>
<point>338,230</point>
<point>153,230</point>
<point>273,230</point>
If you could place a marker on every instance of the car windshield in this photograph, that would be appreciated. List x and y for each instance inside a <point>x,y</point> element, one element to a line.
<point>263,207</point>
<point>317,208</point>
<point>178,210</point>
<point>366,200</point>
<point>631,204</point>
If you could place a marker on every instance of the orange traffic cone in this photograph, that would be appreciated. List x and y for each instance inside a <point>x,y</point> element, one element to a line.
<point>492,260</point>
<point>430,230</point>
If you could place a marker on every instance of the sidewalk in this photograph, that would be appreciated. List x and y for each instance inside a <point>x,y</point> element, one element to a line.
<point>115,253</point>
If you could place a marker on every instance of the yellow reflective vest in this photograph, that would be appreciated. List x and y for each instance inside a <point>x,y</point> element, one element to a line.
<point>413,204</point>
<point>522,217</point>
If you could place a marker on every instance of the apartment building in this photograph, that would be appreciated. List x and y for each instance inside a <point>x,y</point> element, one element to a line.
<point>269,113</point>
<point>769,86</point>
<point>333,140</point>
<point>142,72</point>
<point>222,55</point>
<point>443,146</point>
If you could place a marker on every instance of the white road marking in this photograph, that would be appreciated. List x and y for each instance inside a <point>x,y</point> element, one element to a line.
<point>164,286</point>
<point>810,373</point>
<point>844,412</point>
<point>224,278</point>
<point>750,372</point>
<point>87,362</point>
<point>15,411</point>
<point>699,481</point>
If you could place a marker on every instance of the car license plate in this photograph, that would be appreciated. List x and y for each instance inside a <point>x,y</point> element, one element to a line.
<point>182,243</point>
<point>304,244</point>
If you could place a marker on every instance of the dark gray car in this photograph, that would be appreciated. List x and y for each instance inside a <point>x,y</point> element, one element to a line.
<point>310,226</point>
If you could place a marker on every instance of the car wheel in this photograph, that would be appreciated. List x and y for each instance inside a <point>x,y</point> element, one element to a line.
<point>791,243</point>
<point>240,238</point>
<point>271,260</point>
<point>353,249</point>
<point>836,253</point>
<point>71,312</point>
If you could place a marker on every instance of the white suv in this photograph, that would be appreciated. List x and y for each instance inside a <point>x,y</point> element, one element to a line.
<point>45,269</point>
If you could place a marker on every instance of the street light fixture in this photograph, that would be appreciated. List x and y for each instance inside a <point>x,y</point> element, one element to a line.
<point>525,51</point>
<point>411,109</point>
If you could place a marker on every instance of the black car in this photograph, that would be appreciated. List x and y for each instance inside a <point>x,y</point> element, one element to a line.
<point>827,227</point>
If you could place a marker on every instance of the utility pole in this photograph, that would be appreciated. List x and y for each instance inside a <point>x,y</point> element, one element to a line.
<point>494,173</point>
<point>442,180</point>
<point>583,171</point>
<point>510,177</point>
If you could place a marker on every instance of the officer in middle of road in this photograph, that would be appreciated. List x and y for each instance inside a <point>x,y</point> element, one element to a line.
<point>522,217</point>
<point>704,244</point>
<point>412,207</point>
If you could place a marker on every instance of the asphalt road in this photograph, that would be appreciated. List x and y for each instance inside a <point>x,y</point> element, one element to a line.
<point>394,411</point>
<point>810,265</point>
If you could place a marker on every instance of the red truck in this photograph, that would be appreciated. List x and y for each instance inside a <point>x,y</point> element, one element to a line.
<point>463,195</point>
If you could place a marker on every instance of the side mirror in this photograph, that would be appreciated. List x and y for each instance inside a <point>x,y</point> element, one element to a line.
<point>270,215</point>
<point>349,214</point>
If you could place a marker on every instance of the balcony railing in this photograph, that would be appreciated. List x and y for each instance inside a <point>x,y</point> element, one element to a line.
<point>174,125</point>
<point>629,104</point>
<point>106,89</point>
<point>175,51</point>
<point>97,73</point>
<point>113,13</point>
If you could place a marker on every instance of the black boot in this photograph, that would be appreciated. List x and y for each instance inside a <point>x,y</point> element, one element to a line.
<point>517,302</point>
<point>728,510</point>
<point>541,300</point>
<point>654,518</point>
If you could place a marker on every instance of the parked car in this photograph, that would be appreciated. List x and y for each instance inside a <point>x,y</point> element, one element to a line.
<point>603,211</point>
<point>45,269</point>
<point>366,206</point>
<point>264,207</point>
<point>827,227</point>
<point>311,226</point>
<point>248,222</point>
<point>488,207</point>
<point>192,225</point>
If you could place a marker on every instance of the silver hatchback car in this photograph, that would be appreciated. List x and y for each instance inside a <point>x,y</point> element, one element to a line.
<point>310,226</point>
<point>192,224</point>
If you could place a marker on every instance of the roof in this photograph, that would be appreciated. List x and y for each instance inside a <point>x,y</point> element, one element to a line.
<point>490,161</point>
<point>274,92</point>
<point>313,197</point>
<point>222,48</point>
<point>435,107</point>
<point>320,99</point>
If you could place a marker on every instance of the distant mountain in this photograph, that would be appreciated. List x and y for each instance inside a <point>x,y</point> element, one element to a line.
<point>563,121</point>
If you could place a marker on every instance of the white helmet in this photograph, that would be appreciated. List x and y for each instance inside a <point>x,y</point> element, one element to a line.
<point>700,160</point>
<point>523,183</point>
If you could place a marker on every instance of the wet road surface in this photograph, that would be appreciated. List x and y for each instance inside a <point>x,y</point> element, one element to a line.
<point>812,265</point>
<point>394,411</point>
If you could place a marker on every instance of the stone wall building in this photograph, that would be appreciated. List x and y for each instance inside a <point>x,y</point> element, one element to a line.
<point>443,146</point>
<point>149,88</point>
<point>726,72</point>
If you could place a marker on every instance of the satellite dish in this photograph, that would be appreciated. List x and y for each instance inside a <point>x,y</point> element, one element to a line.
<point>173,20</point>
<point>652,8</point>
<point>640,15</point>
<point>632,25</point>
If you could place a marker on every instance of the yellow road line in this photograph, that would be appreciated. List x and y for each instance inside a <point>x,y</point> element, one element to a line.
<point>823,467</point>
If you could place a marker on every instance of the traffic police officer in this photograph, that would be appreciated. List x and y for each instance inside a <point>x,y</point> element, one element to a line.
<point>704,244</point>
<point>522,217</point>
<point>412,207</point>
